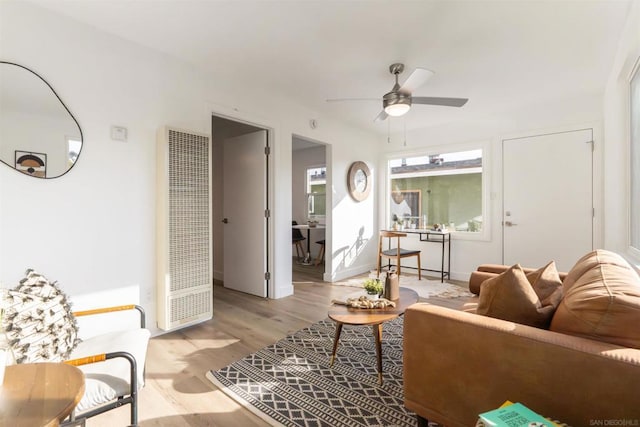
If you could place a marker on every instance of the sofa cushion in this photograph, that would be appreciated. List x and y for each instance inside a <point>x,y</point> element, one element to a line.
<point>38,321</point>
<point>547,284</point>
<point>513,295</point>
<point>601,300</point>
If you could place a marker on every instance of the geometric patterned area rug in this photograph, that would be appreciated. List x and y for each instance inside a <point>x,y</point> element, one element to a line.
<point>290,383</point>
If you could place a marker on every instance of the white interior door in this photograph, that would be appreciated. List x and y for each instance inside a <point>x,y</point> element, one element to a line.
<point>245,201</point>
<point>548,199</point>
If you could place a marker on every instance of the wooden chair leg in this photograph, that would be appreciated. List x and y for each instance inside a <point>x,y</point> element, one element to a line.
<point>398,264</point>
<point>299,249</point>
<point>419,269</point>
<point>320,257</point>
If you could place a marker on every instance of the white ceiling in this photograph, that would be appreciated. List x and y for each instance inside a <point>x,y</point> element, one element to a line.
<point>502,55</point>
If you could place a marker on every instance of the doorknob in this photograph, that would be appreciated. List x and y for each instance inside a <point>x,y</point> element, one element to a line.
<point>509,223</point>
<point>225,220</point>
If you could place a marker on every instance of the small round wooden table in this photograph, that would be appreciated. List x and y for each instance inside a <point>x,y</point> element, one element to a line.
<point>39,394</point>
<point>344,315</point>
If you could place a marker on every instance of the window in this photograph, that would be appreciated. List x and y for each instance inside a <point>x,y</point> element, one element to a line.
<point>445,188</point>
<point>73,149</point>
<point>316,192</point>
<point>634,139</point>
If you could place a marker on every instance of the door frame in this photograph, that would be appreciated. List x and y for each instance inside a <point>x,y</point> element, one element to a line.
<point>328,217</point>
<point>235,115</point>
<point>597,177</point>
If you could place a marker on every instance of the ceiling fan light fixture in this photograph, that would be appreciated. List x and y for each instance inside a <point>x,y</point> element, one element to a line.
<point>397,110</point>
<point>396,104</point>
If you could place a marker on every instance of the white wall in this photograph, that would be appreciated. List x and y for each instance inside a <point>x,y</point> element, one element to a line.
<point>616,131</point>
<point>93,229</point>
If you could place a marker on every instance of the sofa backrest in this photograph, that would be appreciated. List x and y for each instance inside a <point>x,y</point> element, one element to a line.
<point>601,300</point>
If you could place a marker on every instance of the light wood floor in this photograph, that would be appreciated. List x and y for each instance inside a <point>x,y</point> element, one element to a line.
<point>176,391</point>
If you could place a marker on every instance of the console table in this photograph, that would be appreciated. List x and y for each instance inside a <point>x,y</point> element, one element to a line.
<point>441,237</point>
<point>307,258</point>
<point>39,394</point>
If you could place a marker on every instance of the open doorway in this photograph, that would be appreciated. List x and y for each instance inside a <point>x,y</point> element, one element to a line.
<point>310,209</point>
<point>240,173</point>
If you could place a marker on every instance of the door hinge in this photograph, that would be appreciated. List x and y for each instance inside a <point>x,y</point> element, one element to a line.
<point>267,150</point>
<point>267,213</point>
<point>267,275</point>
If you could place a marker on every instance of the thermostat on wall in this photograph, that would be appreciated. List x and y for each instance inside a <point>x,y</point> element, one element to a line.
<point>118,133</point>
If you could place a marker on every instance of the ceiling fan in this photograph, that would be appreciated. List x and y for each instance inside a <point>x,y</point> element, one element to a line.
<point>399,100</point>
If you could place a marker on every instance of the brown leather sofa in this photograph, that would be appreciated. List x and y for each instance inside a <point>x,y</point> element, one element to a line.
<point>459,364</point>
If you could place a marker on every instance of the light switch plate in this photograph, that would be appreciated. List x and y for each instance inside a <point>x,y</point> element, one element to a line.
<point>118,133</point>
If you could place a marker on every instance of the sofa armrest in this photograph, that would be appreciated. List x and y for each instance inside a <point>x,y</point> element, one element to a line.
<point>476,279</point>
<point>482,273</point>
<point>458,364</point>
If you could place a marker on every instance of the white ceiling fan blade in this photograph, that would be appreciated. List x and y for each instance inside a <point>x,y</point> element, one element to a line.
<point>380,117</point>
<point>415,80</point>
<point>447,102</point>
<point>353,99</point>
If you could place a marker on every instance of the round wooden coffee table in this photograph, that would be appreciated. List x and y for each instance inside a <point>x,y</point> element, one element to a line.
<point>344,315</point>
<point>39,394</point>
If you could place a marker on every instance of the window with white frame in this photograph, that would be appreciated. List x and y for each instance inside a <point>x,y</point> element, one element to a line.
<point>316,192</point>
<point>438,188</point>
<point>634,175</point>
<point>74,145</point>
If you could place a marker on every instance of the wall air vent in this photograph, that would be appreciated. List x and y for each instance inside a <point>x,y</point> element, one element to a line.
<point>185,280</point>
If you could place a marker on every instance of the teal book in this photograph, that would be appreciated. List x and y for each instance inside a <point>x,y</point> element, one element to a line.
<point>514,415</point>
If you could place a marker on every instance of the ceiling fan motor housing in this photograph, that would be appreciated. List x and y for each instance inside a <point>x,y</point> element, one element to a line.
<point>396,103</point>
<point>396,68</point>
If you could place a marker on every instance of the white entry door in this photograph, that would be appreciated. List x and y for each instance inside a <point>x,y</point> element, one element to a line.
<point>548,199</point>
<point>244,204</point>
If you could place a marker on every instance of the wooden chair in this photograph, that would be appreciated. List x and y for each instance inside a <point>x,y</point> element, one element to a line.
<point>396,253</point>
<point>320,257</point>
<point>296,239</point>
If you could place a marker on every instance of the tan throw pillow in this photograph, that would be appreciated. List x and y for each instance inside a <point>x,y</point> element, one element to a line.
<point>547,285</point>
<point>510,296</point>
<point>602,301</point>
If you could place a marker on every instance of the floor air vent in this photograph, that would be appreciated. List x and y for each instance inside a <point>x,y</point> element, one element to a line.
<point>185,286</point>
